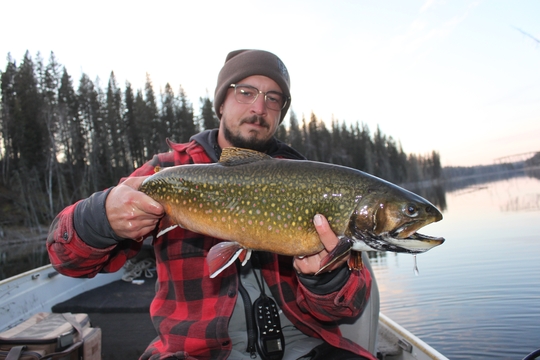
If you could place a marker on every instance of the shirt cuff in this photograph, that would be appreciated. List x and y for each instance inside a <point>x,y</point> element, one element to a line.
<point>91,223</point>
<point>326,283</point>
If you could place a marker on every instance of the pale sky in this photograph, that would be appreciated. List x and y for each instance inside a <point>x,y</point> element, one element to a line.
<point>455,76</point>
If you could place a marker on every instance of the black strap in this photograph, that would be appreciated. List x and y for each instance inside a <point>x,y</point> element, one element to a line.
<point>250,320</point>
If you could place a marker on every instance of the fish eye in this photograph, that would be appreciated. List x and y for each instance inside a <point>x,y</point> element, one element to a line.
<point>411,210</point>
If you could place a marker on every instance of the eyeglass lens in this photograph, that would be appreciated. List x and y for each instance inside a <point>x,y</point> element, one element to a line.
<point>247,94</point>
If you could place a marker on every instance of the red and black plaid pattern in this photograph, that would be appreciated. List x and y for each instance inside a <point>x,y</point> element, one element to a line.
<point>190,311</point>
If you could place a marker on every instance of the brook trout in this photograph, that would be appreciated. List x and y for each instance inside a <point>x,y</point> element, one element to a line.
<point>256,202</point>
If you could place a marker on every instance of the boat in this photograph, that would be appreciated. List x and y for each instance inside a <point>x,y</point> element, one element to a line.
<point>45,290</point>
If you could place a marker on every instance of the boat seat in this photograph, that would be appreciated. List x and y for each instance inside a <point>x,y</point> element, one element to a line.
<point>363,330</point>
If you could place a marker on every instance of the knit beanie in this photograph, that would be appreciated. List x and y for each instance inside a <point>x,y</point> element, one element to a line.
<point>240,64</point>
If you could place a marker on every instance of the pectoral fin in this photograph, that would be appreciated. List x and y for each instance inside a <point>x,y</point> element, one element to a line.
<point>342,249</point>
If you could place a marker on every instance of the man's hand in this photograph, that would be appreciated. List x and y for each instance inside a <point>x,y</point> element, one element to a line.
<point>311,264</point>
<point>131,213</point>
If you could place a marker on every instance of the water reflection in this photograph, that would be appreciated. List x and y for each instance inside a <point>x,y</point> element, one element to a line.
<point>433,191</point>
<point>477,294</point>
<point>22,255</point>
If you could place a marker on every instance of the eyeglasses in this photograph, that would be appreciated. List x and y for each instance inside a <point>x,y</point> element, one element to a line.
<point>247,94</point>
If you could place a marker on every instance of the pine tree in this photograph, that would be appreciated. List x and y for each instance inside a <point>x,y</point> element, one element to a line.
<point>115,130</point>
<point>208,118</point>
<point>134,135</point>
<point>72,137</point>
<point>168,114</point>
<point>295,135</point>
<point>32,138</point>
<point>185,117</point>
<point>8,115</point>
<point>91,115</point>
<point>158,130</point>
<point>143,126</point>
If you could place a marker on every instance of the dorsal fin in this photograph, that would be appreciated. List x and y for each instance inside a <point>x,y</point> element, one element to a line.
<point>233,156</point>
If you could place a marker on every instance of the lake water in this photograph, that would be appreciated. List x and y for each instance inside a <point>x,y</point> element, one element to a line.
<point>477,296</point>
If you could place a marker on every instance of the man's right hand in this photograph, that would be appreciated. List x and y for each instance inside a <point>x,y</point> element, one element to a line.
<point>131,213</point>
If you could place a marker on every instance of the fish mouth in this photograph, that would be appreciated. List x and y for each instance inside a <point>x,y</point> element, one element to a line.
<point>402,240</point>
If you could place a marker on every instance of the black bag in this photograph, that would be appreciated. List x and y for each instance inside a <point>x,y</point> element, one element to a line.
<point>47,336</point>
<point>326,351</point>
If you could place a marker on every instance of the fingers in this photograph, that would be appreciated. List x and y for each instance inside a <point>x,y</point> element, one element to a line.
<point>131,213</point>
<point>311,264</point>
<point>327,236</point>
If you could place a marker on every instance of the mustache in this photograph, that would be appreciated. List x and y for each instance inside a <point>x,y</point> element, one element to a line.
<point>255,120</point>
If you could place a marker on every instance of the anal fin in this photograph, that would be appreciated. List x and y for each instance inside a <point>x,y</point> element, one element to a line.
<point>165,225</point>
<point>222,255</point>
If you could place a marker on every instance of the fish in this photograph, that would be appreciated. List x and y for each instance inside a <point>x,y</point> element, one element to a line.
<point>254,202</point>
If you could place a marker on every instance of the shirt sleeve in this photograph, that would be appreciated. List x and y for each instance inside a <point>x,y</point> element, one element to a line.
<point>81,242</point>
<point>348,301</point>
<point>71,256</point>
<point>91,223</point>
<point>327,282</point>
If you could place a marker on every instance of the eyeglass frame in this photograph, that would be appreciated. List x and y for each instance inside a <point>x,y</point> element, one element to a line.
<point>286,99</point>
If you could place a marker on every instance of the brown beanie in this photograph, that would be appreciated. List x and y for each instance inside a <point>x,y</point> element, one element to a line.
<point>240,64</point>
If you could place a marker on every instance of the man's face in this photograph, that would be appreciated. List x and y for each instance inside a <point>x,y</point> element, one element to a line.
<point>249,126</point>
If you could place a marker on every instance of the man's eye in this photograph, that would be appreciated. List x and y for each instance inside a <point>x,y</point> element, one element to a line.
<point>247,92</point>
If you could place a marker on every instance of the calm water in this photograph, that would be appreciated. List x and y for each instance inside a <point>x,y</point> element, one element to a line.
<point>477,296</point>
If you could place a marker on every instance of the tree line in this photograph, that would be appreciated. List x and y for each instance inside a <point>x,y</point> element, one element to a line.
<point>60,143</point>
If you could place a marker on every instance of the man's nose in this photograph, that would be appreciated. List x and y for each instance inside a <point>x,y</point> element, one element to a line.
<point>259,106</point>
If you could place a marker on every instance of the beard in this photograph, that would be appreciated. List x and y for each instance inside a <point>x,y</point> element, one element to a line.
<point>251,142</point>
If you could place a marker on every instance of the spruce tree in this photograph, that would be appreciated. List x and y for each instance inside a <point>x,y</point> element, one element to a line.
<point>8,126</point>
<point>158,130</point>
<point>185,117</point>
<point>31,139</point>
<point>208,118</point>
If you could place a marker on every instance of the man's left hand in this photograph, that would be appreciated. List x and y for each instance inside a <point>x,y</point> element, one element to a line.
<point>309,265</point>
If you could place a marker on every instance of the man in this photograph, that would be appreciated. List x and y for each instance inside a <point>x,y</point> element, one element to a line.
<point>197,317</point>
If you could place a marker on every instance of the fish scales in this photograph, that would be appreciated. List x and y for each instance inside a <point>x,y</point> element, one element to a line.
<point>263,205</point>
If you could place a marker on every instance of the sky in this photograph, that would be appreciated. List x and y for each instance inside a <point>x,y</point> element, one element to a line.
<point>458,77</point>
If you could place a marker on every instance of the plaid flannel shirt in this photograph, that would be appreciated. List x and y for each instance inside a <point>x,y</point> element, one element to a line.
<point>190,311</point>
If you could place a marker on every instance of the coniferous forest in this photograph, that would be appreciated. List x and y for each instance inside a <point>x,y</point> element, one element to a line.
<point>61,142</point>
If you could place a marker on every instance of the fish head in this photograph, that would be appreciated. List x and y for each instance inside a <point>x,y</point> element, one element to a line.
<point>389,220</point>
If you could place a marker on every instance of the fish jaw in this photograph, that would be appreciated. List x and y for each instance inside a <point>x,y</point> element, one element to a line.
<point>415,244</point>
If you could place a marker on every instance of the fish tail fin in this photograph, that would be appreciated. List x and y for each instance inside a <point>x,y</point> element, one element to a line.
<point>165,225</point>
<point>355,261</point>
<point>342,249</point>
<point>223,254</point>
